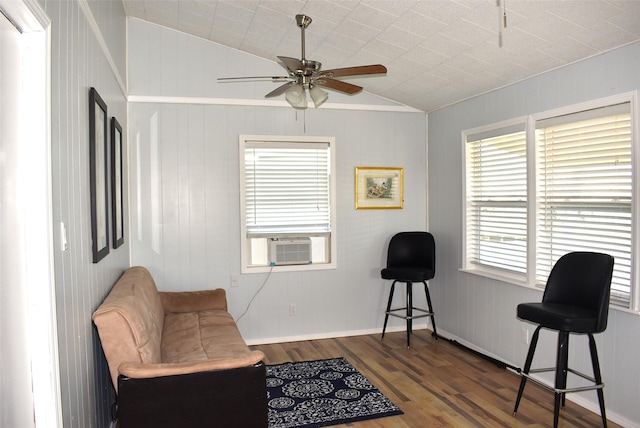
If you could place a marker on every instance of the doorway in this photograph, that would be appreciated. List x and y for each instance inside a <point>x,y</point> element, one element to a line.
<point>29,376</point>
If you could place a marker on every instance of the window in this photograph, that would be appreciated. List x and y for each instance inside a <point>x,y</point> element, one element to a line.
<point>496,200</point>
<point>287,194</point>
<point>574,192</point>
<point>584,190</point>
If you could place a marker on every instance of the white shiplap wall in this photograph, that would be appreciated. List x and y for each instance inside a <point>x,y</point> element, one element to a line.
<point>185,185</point>
<point>481,311</point>
<point>87,49</point>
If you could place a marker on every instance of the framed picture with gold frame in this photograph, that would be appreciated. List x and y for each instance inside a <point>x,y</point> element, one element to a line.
<point>379,188</point>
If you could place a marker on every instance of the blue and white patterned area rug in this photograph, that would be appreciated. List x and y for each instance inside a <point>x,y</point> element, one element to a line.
<point>322,393</point>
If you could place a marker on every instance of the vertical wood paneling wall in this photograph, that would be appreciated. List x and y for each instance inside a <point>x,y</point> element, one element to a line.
<point>482,311</point>
<point>87,49</point>
<point>185,202</point>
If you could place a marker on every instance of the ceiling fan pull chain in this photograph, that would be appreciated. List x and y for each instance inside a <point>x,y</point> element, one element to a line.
<point>502,20</point>
<point>504,13</point>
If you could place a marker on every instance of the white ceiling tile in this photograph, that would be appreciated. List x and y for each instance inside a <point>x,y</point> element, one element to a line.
<point>568,52</point>
<point>397,36</point>
<point>443,11</point>
<point>395,8</point>
<point>484,14</point>
<point>628,20</point>
<point>287,7</point>
<point>235,11</point>
<point>419,25</point>
<point>224,37</point>
<point>350,44</point>
<point>384,49</point>
<point>425,56</point>
<point>273,18</point>
<point>372,17</point>
<point>230,25</point>
<point>356,30</point>
<point>197,8</point>
<point>602,35</point>
<point>327,11</point>
<point>582,13</point>
<point>446,45</point>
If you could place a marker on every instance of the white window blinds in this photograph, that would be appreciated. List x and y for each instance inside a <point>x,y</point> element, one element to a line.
<point>584,190</point>
<point>287,188</point>
<point>496,200</point>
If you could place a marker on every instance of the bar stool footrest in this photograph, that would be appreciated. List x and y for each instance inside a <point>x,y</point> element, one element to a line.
<point>563,390</point>
<point>405,317</point>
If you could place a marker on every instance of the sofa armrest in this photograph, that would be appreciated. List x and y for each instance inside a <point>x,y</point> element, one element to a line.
<point>193,301</point>
<point>217,398</point>
<point>143,371</point>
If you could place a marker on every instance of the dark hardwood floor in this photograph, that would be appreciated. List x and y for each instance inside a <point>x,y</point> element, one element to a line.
<point>436,384</point>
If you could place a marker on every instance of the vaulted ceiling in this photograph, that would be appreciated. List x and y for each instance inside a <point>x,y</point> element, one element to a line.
<point>437,52</point>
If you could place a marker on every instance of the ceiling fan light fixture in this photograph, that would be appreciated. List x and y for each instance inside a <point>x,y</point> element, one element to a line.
<point>318,96</point>
<point>296,96</point>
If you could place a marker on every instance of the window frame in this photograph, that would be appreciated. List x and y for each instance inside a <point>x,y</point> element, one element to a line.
<point>497,129</point>
<point>532,197</point>
<point>245,246</point>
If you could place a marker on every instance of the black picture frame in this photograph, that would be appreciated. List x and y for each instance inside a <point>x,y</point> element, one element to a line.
<point>98,165</point>
<point>117,216</point>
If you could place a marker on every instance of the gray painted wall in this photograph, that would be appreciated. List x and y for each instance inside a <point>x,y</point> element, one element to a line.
<point>185,187</point>
<point>481,311</point>
<point>79,61</point>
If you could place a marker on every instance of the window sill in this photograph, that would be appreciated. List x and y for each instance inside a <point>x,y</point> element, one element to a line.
<point>515,280</point>
<point>289,268</point>
<point>510,279</point>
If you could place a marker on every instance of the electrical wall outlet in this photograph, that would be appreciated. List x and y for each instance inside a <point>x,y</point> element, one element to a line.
<point>525,335</point>
<point>235,281</point>
<point>293,310</point>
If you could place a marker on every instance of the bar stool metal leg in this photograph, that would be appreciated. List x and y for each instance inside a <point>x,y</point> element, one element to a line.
<point>433,316</point>
<point>561,373</point>
<point>527,367</point>
<point>386,317</point>
<point>598,377</point>
<point>409,312</point>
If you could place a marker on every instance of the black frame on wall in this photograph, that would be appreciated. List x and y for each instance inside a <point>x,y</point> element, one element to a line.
<point>98,175</point>
<point>117,216</point>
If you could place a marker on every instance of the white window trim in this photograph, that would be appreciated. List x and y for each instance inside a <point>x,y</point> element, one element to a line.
<point>244,247</point>
<point>628,97</point>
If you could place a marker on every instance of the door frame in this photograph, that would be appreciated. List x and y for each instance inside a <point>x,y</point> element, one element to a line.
<point>35,28</point>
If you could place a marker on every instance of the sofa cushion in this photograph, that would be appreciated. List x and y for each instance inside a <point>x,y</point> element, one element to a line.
<point>130,321</point>
<point>201,336</point>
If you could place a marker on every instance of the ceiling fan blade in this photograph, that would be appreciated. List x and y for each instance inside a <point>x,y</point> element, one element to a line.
<point>280,90</point>
<point>252,78</point>
<point>355,71</point>
<point>339,86</point>
<point>291,64</point>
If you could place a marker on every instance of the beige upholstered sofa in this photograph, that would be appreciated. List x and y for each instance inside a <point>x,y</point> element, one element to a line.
<point>177,359</point>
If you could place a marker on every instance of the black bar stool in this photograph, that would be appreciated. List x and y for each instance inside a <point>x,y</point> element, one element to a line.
<point>411,258</point>
<point>575,300</point>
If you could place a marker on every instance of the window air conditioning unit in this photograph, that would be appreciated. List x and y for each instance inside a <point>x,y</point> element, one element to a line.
<point>294,251</point>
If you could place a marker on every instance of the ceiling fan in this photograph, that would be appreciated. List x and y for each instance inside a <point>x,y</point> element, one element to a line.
<point>305,74</point>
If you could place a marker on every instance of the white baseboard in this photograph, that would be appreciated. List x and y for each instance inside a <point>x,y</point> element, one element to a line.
<point>330,335</point>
